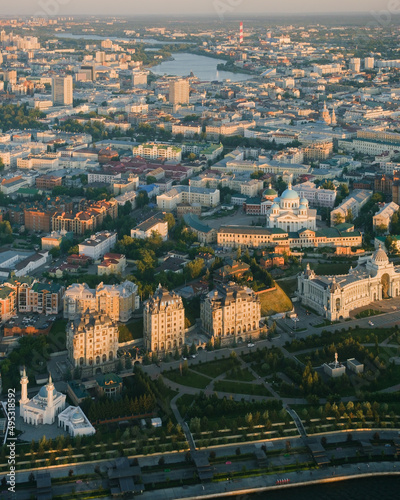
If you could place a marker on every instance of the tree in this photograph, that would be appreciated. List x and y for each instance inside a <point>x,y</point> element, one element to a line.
<point>1,165</point>
<point>192,157</point>
<point>337,219</point>
<point>381,229</point>
<point>142,199</point>
<point>349,215</point>
<point>161,461</point>
<point>171,221</point>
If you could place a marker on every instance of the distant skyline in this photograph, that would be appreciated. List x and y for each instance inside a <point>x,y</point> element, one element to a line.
<point>189,8</point>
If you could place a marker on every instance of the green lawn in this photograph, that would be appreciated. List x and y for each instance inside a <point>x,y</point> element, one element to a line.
<point>216,368</point>
<point>241,388</point>
<point>57,335</point>
<point>242,375</point>
<point>191,379</point>
<point>275,302</point>
<point>288,286</point>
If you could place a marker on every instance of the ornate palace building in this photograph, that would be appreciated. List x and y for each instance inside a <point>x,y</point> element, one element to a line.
<point>164,322</point>
<point>92,343</point>
<point>374,278</point>
<point>231,313</point>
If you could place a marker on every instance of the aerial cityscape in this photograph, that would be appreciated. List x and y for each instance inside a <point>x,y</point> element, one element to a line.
<point>199,250</point>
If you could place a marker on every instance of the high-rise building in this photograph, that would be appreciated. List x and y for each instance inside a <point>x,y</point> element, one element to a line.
<point>92,343</point>
<point>179,92</point>
<point>164,322</point>
<point>369,63</point>
<point>231,313</point>
<point>63,91</point>
<point>355,64</point>
<point>241,33</point>
<point>100,57</point>
<point>89,70</point>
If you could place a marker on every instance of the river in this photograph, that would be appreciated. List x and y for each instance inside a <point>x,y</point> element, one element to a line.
<point>385,488</point>
<point>203,67</point>
<point>152,41</point>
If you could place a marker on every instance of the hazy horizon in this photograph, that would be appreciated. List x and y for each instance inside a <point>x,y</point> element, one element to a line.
<point>207,8</point>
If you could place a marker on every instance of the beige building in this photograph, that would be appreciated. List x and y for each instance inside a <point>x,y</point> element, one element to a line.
<point>186,194</point>
<point>92,343</point>
<point>113,263</point>
<point>383,218</point>
<point>164,322</point>
<point>116,301</point>
<point>179,91</point>
<point>62,91</point>
<point>231,313</point>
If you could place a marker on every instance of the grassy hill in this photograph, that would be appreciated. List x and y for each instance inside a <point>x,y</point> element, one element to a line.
<point>275,302</point>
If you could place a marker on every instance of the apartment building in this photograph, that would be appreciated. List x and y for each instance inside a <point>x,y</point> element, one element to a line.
<point>383,218</point>
<point>98,244</point>
<point>154,151</point>
<point>92,343</point>
<point>156,224</point>
<point>316,197</point>
<point>164,322</point>
<point>186,194</point>
<point>116,301</point>
<point>351,206</point>
<point>230,314</point>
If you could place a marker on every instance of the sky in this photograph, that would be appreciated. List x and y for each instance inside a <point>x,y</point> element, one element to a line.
<point>191,7</point>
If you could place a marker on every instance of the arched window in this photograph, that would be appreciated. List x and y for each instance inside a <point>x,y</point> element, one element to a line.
<point>104,358</point>
<point>111,356</point>
<point>81,360</point>
<point>97,360</point>
<point>90,361</point>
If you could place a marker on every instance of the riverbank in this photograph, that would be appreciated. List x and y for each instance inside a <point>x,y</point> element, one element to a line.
<point>258,486</point>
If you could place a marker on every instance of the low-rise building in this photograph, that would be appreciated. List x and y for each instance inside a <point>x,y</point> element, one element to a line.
<point>156,224</point>
<point>113,263</point>
<point>382,219</point>
<point>186,194</point>
<point>98,245</point>
<point>351,206</point>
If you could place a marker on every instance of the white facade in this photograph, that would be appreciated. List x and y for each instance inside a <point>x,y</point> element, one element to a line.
<point>75,422</point>
<point>185,194</point>
<point>42,408</point>
<point>335,297</point>
<point>98,245</point>
<point>155,224</point>
<point>316,197</point>
<point>291,213</point>
<point>154,151</point>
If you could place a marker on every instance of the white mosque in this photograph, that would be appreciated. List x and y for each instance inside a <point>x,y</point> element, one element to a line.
<point>42,408</point>
<point>291,213</point>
